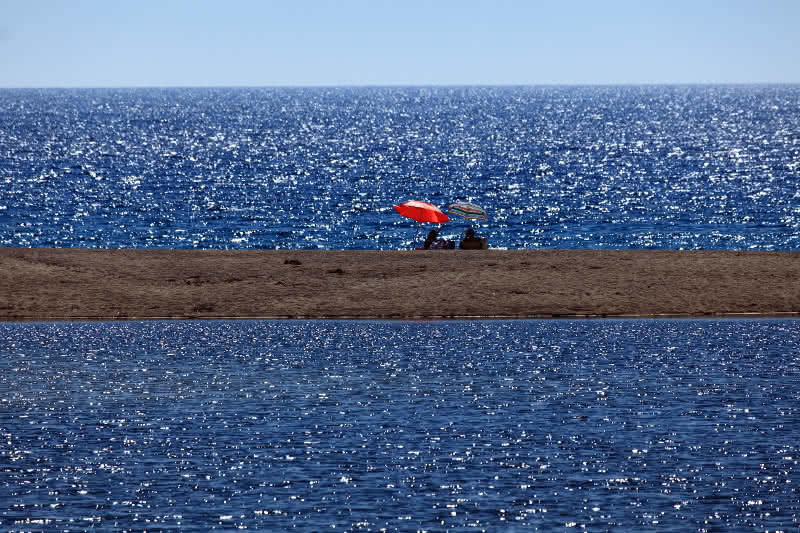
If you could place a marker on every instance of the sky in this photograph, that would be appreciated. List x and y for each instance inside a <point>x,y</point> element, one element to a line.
<point>197,43</point>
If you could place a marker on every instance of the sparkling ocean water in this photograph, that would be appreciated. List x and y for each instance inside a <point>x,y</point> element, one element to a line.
<point>627,167</point>
<point>602,425</point>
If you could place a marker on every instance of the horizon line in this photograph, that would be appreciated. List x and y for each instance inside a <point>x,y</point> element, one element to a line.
<point>410,85</point>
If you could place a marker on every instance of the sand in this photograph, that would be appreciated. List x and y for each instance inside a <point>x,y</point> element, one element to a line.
<point>78,284</point>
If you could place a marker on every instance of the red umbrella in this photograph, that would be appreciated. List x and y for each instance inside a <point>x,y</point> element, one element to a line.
<point>421,211</point>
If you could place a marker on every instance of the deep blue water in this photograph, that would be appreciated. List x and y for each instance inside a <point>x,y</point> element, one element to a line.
<point>635,425</point>
<point>670,167</point>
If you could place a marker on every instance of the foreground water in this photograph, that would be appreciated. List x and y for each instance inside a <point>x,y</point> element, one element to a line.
<point>668,425</point>
<point>668,167</point>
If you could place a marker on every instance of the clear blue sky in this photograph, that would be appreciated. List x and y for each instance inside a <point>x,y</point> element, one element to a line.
<point>130,43</point>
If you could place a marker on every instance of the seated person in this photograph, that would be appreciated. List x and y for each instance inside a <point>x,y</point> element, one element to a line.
<point>471,242</point>
<point>432,242</point>
<point>430,239</point>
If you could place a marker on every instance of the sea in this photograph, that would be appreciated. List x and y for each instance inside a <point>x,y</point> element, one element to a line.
<point>614,167</point>
<point>559,425</point>
<point>474,425</point>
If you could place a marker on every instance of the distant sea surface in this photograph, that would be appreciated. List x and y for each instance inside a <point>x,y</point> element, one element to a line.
<point>627,167</point>
<point>634,425</point>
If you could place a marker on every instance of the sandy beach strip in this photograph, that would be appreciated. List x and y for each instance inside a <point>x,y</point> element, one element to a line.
<point>79,284</point>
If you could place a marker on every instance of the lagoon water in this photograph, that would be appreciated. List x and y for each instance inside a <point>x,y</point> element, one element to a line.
<point>603,425</point>
<point>618,167</point>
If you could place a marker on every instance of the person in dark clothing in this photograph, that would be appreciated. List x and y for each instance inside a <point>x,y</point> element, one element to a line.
<point>430,239</point>
<point>471,242</point>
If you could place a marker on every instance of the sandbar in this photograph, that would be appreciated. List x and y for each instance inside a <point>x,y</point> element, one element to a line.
<point>46,284</point>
